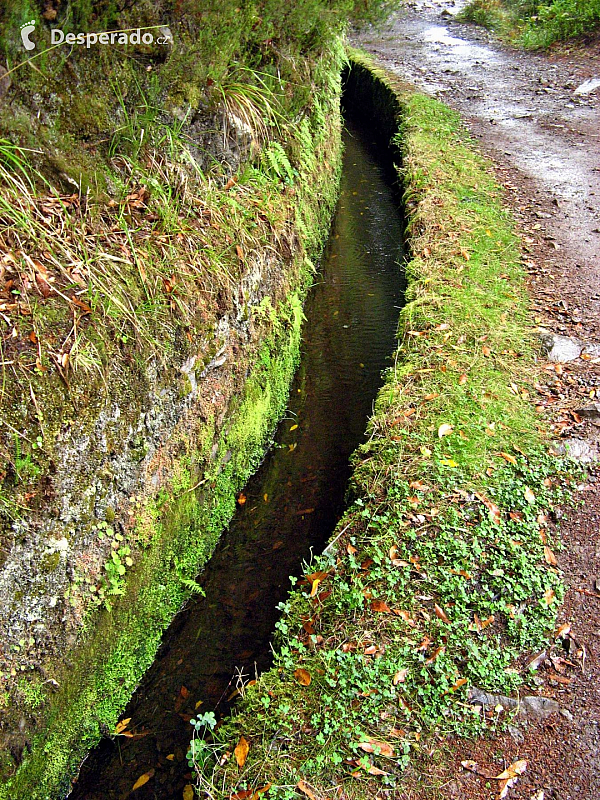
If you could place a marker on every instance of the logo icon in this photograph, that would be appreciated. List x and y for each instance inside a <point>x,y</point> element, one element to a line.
<point>26,30</point>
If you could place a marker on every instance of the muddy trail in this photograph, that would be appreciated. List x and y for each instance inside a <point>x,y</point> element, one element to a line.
<point>544,139</point>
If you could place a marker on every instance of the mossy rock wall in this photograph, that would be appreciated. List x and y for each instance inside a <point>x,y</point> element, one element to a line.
<point>121,475</point>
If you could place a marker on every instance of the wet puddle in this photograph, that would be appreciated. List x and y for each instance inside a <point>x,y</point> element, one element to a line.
<point>292,503</point>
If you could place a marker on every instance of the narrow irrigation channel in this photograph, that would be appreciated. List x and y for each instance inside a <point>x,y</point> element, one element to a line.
<point>291,505</point>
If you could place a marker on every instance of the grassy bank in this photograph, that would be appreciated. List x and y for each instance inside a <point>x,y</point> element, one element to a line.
<point>440,576</point>
<point>535,23</point>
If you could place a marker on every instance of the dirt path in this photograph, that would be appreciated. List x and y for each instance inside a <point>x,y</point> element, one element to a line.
<point>545,141</point>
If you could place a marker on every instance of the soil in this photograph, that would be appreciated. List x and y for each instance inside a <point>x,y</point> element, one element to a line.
<point>544,141</point>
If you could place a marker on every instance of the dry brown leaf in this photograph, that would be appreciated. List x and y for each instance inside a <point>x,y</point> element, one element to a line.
<point>188,792</point>
<point>508,457</point>
<point>372,746</point>
<point>305,789</point>
<point>491,507</point>
<point>486,351</point>
<point>400,676</point>
<point>549,596</point>
<point>549,556</point>
<point>462,380</point>
<point>380,606</point>
<point>260,791</point>
<point>142,780</point>
<point>241,751</point>
<point>441,614</point>
<point>515,769</point>
<point>437,652</point>
<point>302,676</point>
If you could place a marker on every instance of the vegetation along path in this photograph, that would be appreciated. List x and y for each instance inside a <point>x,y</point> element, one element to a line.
<point>536,119</point>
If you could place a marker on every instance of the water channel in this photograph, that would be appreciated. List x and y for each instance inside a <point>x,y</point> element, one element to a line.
<point>292,503</point>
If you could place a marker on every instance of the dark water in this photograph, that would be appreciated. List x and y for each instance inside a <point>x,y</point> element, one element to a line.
<point>293,501</point>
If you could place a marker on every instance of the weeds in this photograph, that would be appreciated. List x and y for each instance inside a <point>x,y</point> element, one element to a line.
<point>535,23</point>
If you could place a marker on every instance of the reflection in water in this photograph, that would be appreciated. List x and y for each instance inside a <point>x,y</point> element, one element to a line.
<point>293,501</point>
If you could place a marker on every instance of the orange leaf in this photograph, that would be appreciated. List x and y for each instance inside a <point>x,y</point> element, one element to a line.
<point>441,614</point>
<point>549,556</point>
<point>372,745</point>
<point>518,768</point>
<point>462,380</point>
<point>240,252</point>
<point>241,498</point>
<point>486,351</point>
<point>305,789</point>
<point>142,780</point>
<point>302,676</point>
<point>260,791</point>
<point>241,795</point>
<point>437,652</point>
<point>122,725</point>
<point>509,458</point>
<point>491,507</point>
<point>380,606</point>
<point>241,751</point>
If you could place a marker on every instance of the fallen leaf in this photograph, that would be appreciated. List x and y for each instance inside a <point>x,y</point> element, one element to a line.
<point>372,746</point>
<point>486,351</point>
<point>508,457</point>
<point>188,792</point>
<point>549,556</point>
<point>380,606</point>
<point>243,794</point>
<point>241,751</point>
<point>400,676</point>
<point>563,630</point>
<point>260,791</point>
<point>460,682</point>
<point>170,757</point>
<point>515,769</point>
<point>142,780</point>
<point>529,495</point>
<point>376,771</point>
<point>305,789</point>
<point>351,550</point>
<point>302,676</point>
<point>462,380</point>
<point>549,596</point>
<point>491,507</point>
<point>441,614</point>
<point>437,652</point>
<point>444,430</point>
<point>240,252</point>
<point>122,725</point>
<point>241,499</point>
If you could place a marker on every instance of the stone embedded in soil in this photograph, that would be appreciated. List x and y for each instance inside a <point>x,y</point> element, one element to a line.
<point>560,349</point>
<point>587,87</point>
<point>530,707</point>
<point>591,411</point>
<point>578,449</point>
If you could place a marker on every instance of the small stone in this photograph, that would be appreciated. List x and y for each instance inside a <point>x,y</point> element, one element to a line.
<point>564,712</point>
<point>559,349</point>
<point>587,87</point>
<point>515,734</point>
<point>578,449</point>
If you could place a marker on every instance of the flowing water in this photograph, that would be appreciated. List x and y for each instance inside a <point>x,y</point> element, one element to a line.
<point>292,503</point>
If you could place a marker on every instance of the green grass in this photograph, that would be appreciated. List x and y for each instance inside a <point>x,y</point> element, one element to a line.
<point>437,578</point>
<point>535,24</point>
